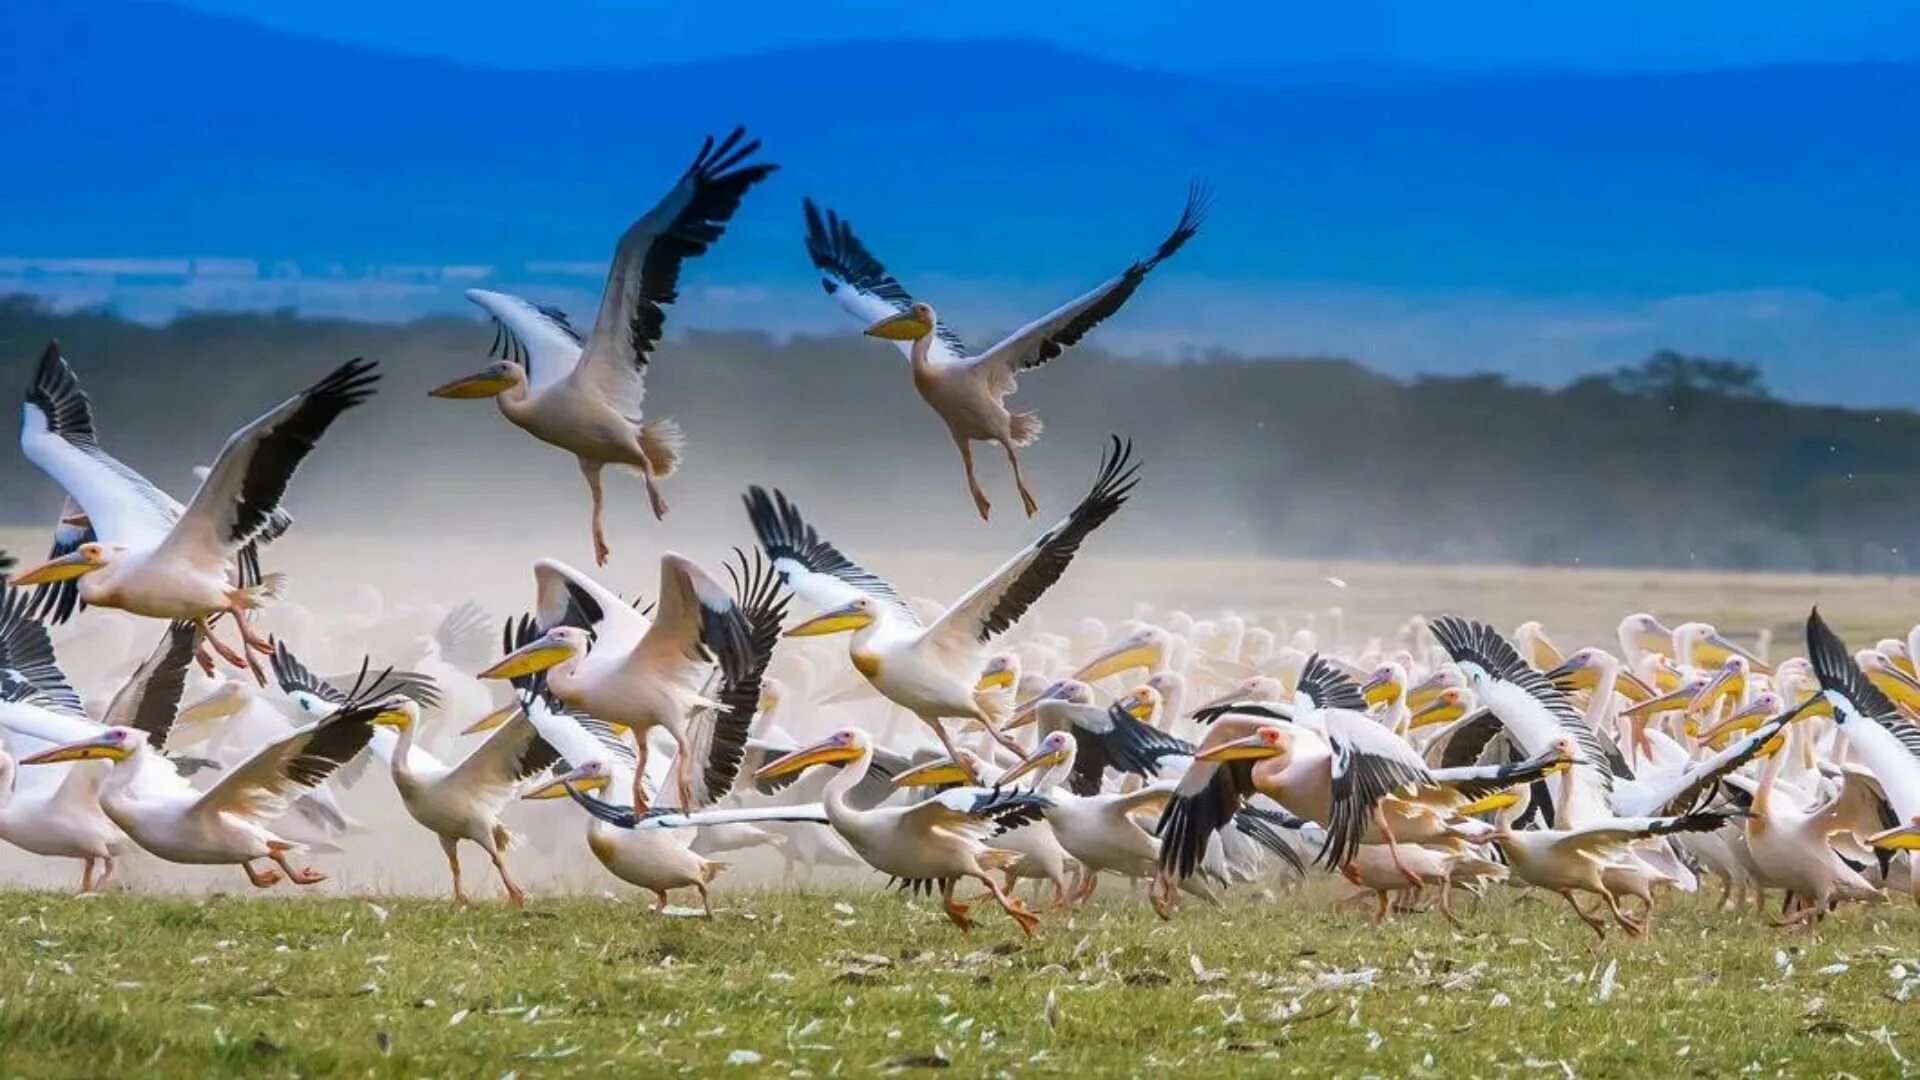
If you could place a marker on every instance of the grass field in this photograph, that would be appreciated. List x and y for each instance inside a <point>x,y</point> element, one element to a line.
<point>856,982</point>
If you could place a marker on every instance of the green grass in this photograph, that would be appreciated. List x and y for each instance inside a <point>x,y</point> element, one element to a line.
<point>852,981</point>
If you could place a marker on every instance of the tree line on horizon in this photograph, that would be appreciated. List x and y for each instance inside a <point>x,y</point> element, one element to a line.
<point>1674,461</point>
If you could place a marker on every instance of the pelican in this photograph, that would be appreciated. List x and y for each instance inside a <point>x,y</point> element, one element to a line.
<point>1882,740</point>
<point>1042,858</point>
<point>660,679</point>
<point>584,396</point>
<point>463,801</point>
<point>228,824</point>
<point>969,392</point>
<point>935,842</point>
<point>149,556</point>
<point>934,671</point>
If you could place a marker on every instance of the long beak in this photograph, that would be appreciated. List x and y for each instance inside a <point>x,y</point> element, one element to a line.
<point>1668,702</point>
<point>820,753</point>
<point>905,326</point>
<point>534,657</point>
<point>1633,687</point>
<point>1722,680</point>
<point>1716,642</point>
<point>99,748</point>
<point>1378,689</point>
<point>483,385</point>
<point>996,680</point>
<point>1654,641</point>
<point>838,621</point>
<point>1575,673</point>
<point>65,568</point>
<point>1745,720</point>
<point>1247,748</point>
<point>580,778</point>
<point>494,719</point>
<point>1499,800</point>
<point>212,707</point>
<point>1897,684</point>
<point>935,773</point>
<point>1899,838</point>
<point>393,718</point>
<point>1124,657</point>
<point>1045,759</point>
<point>1137,705</point>
<point>1438,711</point>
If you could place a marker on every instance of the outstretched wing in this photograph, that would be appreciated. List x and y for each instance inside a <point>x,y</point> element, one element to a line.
<point>29,671</point>
<point>151,697</point>
<point>645,276</point>
<point>241,495</point>
<point>266,782</point>
<point>1048,336</point>
<point>860,284</point>
<point>537,337</point>
<point>812,567</point>
<point>994,605</point>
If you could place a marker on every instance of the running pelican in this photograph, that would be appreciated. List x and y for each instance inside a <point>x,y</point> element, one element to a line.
<point>141,552</point>
<point>969,392</point>
<point>934,670</point>
<point>584,396</point>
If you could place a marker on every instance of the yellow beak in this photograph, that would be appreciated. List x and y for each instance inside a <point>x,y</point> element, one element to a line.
<point>557,787</point>
<point>493,719</point>
<point>65,568</point>
<point>1715,648</point>
<point>1668,702</point>
<point>212,707</point>
<point>935,773</point>
<point>1125,657</point>
<point>995,680</point>
<point>1438,711</point>
<point>821,753</point>
<point>838,621</point>
<point>1379,690</point>
<point>1723,682</point>
<point>1896,684</point>
<point>95,749</point>
<point>393,718</point>
<point>535,657</point>
<point>1138,705</point>
<point>484,385</point>
<point>1499,800</point>
<point>905,326</point>
<point>1898,838</point>
<point>1249,748</point>
<point>1046,759</point>
<point>1745,720</point>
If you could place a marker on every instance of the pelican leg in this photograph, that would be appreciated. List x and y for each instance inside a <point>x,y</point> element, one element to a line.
<point>1380,912</point>
<point>219,647</point>
<point>591,470</point>
<point>301,875</point>
<point>452,848</point>
<point>955,910</point>
<point>1016,910</point>
<point>640,773</point>
<point>106,873</point>
<point>659,901</point>
<point>683,766</point>
<point>1446,900</point>
<point>1026,497</point>
<point>1599,926</point>
<point>706,899</point>
<point>1393,849</point>
<point>980,502</point>
<point>264,879</point>
<point>86,876</point>
<point>1633,928</point>
<point>515,898</point>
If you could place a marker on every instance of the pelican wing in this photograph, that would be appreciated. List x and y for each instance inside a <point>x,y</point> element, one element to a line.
<point>263,784</point>
<point>563,596</point>
<point>1470,641</point>
<point>1109,738</point>
<point>1611,834</point>
<point>646,266</point>
<point>994,605</point>
<point>56,603</point>
<point>666,818</point>
<point>740,635</point>
<point>978,812</point>
<point>1210,794</point>
<point>1462,742</point>
<point>577,739</point>
<point>464,637</point>
<point>1698,781</point>
<point>240,495</point>
<point>293,677</point>
<point>1328,687</point>
<point>29,671</point>
<point>1839,673</point>
<point>860,284</point>
<point>57,434</point>
<point>1048,336</point>
<point>1363,774</point>
<point>512,753</point>
<point>150,699</point>
<point>537,337</point>
<point>812,567</point>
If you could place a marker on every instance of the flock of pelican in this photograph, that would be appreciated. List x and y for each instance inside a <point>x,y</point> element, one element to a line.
<point>948,746</point>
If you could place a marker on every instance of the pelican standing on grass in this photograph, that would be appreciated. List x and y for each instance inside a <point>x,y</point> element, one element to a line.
<point>970,392</point>
<point>149,556</point>
<point>584,396</point>
<point>934,670</point>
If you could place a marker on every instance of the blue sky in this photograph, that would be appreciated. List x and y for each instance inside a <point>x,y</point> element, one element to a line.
<point>1606,35</point>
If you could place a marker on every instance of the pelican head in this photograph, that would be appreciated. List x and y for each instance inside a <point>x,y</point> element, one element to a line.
<point>1069,690</point>
<point>1267,741</point>
<point>586,776</point>
<point>1642,633</point>
<point>397,713</point>
<point>555,647</point>
<point>842,746</point>
<point>1147,648</point>
<point>1257,688</point>
<point>113,744</point>
<point>963,768</point>
<point>854,615</point>
<point>1447,706</point>
<point>1142,703</point>
<point>910,325</point>
<point>1054,750</point>
<point>1444,676</point>
<point>491,381</point>
<point>1385,684</point>
<point>81,561</point>
<point>1765,704</point>
<point>1884,673</point>
<point>1001,673</point>
<point>226,699</point>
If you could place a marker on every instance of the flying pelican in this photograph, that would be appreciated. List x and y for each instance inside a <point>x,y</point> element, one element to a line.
<point>463,801</point>
<point>147,555</point>
<point>584,396</point>
<point>935,842</point>
<point>227,823</point>
<point>969,392</point>
<point>934,670</point>
<point>662,679</point>
<point>1878,736</point>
